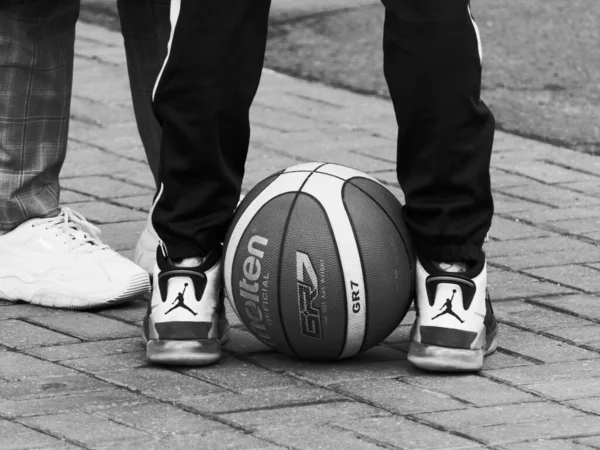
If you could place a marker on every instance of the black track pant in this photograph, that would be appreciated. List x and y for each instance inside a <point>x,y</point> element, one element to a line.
<point>433,69</point>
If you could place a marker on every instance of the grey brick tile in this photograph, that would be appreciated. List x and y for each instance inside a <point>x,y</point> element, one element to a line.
<point>562,370</point>
<point>505,285</point>
<point>397,430</point>
<point>378,362</point>
<point>88,401</point>
<point>87,326</point>
<point>15,436</point>
<point>540,347</point>
<point>295,416</point>
<point>95,349</point>
<point>50,387</point>
<point>160,419</point>
<point>18,334</point>
<point>83,428</point>
<point>471,389</point>
<point>16,366</point>
<point>321,437</point>
<point>572,275</point>
<point>398,397</point>
<point>262,399</point>
<point>160,383</point>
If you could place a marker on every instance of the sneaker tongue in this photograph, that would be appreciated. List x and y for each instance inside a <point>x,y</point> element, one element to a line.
<point>452,267</point>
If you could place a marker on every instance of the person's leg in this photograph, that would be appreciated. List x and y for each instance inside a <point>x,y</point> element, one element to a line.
<point>36,72</point>
<point>432,63</point>
<point>202,100</point>
<point>50,256</point>
<point>146,28</point>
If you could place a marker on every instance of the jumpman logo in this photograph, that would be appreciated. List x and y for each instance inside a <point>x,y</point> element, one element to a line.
<point>180,302</point>
<point>448,310</point>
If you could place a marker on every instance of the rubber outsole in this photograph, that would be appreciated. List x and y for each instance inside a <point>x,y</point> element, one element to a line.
<point>444,359</point>
<point>184,353</point>
<point>138,286</point>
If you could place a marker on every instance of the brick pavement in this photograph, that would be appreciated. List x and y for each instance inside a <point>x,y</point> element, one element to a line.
<point>79,380</point>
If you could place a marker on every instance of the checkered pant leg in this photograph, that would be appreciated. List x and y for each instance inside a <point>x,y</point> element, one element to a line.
<point>36,73</point>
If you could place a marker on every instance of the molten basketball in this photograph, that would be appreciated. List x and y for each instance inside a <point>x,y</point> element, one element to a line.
<point>318,262</point>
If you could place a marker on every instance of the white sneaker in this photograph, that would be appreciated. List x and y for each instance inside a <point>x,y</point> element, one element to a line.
<point>455,325</point>
<point>60,262</point>
<point>144,254</point>
<point>185,323</point>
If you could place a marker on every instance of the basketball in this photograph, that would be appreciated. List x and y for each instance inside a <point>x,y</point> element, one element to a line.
<point>318,263</point>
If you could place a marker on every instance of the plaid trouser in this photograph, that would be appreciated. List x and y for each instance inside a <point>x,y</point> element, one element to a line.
<point>36,72</point>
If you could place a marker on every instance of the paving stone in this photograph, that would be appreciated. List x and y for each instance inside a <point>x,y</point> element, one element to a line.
<point>102,213</point>
<point>552,195</point>
<point>505,285</point>
<point>16,366</point>
<point>562,390</point>
<point>536,318</point>
<point>243,343</point>
<point>588,335</point>
<point>582,305</point>
<point>83,428</point>
<point>568,370</point>
<point>137,201</point>
<point>501,179</point>
<point>159,419</point>
<point>577,226</point>
<point>38,388</point>
<point>499,360</point>
<point>18,334</point>
<point>553,428</point>
<point>77,164</point>
<point>68,197</point>
<point>378,362</point>
<point>593,441</point>
<point>160,383</point>
<point>397,430</point>
<point>11,310</point>
<point>510,423</point>
<point>122,235</point>
<point>508,204</point>
<point>536,245</point>
<point>131,312</point>
<point>88,401</point>
<point>294,416</point>
<point>97,364</point>
<point>217,440</point>
<point>590,254</point>
<point>313,437</point>
<point>549,215</point>
<point>15,436</point>
<point>239,376</point>
<point>505,229</point>
<point>540,347</point>
<point>591,404</point>
<point>103,186</point>
<point>582,277</point>
<point>542,444</point>
<point>85,349</point>
<point>87,326</point>
<point>398,397</point>
<point>262,399</point>
<point>471,389</point>
<point>548,173</point>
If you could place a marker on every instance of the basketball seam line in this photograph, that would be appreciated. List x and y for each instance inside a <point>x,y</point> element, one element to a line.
<point>280,262</point>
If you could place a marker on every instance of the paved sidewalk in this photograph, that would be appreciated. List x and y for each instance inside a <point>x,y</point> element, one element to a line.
<point>80,380</point>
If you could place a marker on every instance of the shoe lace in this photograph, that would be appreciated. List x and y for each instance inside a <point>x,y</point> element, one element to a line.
<point>77,232</point>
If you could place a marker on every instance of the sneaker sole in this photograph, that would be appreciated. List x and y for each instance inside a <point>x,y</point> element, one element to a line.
<point>51,298</point>
<point>184,353</point>
<point>445,359</point>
